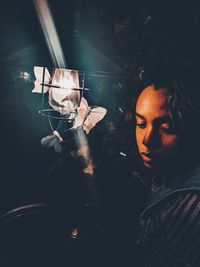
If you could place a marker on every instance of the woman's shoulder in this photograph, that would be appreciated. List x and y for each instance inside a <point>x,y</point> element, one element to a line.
<point>181,204</point>
<point>190,177</point>
<point>180,218</point>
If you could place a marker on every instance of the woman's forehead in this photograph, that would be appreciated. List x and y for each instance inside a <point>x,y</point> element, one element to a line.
<point>153,102</point>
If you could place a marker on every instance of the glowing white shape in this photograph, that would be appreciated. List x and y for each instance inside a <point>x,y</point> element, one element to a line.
<point>96,114</point>
<point>83,111</point>
<point>88,117</point>
<point>38,71</point>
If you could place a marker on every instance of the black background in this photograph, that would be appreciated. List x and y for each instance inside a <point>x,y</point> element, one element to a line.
<point>125,40</point>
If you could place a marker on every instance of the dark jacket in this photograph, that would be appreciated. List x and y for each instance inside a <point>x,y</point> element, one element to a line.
<point>188,182</point>
<point>163,239</point>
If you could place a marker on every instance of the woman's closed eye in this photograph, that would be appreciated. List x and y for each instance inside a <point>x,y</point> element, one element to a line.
<point>167,128</point>
<point>141,124</point>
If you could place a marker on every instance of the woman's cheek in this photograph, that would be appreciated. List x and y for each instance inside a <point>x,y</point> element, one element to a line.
<point>170,140</point>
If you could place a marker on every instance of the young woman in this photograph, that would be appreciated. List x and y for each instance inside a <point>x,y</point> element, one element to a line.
<point>166,133</point>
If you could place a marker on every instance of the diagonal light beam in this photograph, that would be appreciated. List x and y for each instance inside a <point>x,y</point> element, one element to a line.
<point>50,33</point>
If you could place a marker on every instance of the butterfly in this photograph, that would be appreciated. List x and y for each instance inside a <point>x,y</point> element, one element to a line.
<point>54,140</point>
<point>88,117</point>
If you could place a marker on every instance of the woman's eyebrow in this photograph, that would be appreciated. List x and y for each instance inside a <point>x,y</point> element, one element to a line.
<point>162,119</point>
<point>140,116</point>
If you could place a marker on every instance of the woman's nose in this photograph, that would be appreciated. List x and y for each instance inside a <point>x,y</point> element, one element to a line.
<point>151,139</point>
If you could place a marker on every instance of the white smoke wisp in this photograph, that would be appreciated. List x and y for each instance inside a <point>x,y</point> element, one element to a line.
<point>89,167</point>
<point>84,151</point>
<point>50,33</point>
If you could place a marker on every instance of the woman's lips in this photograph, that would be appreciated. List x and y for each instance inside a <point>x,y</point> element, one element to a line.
<point>149,160</point>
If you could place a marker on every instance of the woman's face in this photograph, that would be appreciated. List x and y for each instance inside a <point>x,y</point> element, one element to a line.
<point>157,141</point>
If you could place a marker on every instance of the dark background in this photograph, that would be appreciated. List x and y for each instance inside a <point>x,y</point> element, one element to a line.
<point>117,44</point>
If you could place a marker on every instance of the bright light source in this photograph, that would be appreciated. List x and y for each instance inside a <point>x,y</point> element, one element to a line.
<point>64,99</point>
<point>26,75</point>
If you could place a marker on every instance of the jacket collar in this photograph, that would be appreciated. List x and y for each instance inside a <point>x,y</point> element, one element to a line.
<point>184,183</point>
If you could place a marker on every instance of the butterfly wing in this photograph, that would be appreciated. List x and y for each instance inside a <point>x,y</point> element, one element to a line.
<point>83,111</point>
<point>52,141</point>
<point>57,145</point>
<point>95,115</point>
<point>38,71</point>
<point>47,140</point>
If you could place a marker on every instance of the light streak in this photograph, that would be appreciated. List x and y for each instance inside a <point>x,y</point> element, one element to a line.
<point>50,33</point>
<point>123,154</point>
